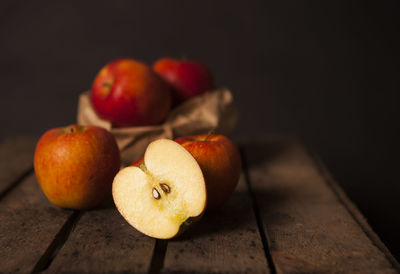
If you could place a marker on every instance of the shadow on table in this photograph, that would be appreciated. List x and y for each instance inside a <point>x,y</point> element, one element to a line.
<point>237,216</point>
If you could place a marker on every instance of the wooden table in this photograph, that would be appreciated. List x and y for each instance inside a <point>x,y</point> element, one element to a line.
<point>286,216</point>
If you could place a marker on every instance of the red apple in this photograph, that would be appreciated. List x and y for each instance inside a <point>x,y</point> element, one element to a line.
<point>187,78</point>
<point>220,162</point>
<point>138,162</point>
<point>129,93</point>
<point>75,165</point>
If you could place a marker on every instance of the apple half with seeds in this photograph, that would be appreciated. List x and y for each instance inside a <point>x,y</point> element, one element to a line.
<point>162,194</point>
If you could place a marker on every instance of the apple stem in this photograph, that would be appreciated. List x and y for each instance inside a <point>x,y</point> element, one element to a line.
<point>209,134</point>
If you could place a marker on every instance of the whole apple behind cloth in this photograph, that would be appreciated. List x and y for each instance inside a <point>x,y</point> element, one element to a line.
<point>188,78</point>
<point>75,165</point>
<point>220,162</point>
<point>127,92</point>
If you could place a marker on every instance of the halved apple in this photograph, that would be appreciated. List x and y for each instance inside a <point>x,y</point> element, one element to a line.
<point>162,192</point>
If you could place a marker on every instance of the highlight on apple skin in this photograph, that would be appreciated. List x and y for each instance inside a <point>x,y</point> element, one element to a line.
<point>163,193</point>
<point>220,162</point>
<point>127,92</point>
<point>187,78</point>
<point>75,165</point>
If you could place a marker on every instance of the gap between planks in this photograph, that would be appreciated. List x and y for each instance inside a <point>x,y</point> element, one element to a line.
<point>157,260</point>
<point>16,182</point>
<point>59,240</point>
<point>260,225</point>
<point>156,264</point>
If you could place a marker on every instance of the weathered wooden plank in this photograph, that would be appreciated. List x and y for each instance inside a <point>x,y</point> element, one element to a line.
<point>223,242</point>
<point>103,242</point>
<point>309,229</point>
<point>355,213</point>
<point>28,224</point>
<point>16,159</point>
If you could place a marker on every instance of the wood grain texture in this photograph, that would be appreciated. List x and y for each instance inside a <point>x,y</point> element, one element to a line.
<point>309,230</point>
<point>310,225</point>
<point>28,224</point>
<point>103,242</point>
<point>16,158</point>
<point>223,242</point>
<point>355,213</point>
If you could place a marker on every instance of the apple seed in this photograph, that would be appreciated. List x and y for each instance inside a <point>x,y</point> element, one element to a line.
<point>165,188</point>
<point>156,194</point>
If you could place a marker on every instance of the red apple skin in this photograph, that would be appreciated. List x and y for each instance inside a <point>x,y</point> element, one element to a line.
<point>187,78</point>
<point>75,165</point>
<point>127,92</point>
<point>138,162</point>
<point>220,162</point>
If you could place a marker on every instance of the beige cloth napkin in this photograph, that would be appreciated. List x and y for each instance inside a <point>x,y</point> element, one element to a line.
<point>214,110</point>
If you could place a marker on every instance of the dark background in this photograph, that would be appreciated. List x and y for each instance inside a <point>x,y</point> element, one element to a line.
<point>327,72</point>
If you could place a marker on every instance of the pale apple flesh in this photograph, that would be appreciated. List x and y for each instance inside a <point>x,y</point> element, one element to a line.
<point>164,191</point>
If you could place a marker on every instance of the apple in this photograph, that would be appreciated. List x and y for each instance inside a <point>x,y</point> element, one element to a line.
<point>219,159</point>
<point>187,78</point>
<point>75,165</point>
<point>127,92</point>
<point>138,162</point>
<point>163,193</point>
